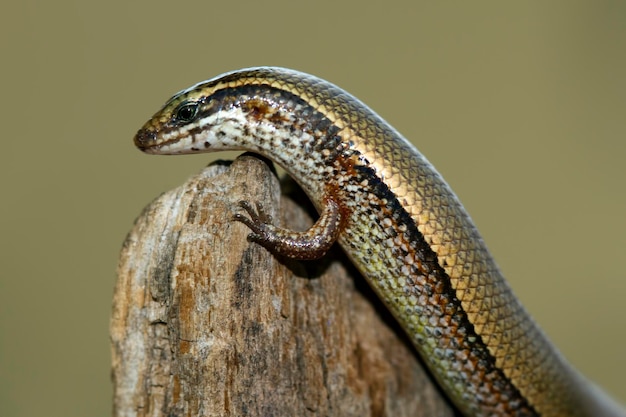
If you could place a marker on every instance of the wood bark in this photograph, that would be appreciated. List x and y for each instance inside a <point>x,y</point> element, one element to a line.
<point>207,324</point>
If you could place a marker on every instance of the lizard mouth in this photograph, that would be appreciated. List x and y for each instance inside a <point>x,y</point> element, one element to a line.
<point>145,139</point>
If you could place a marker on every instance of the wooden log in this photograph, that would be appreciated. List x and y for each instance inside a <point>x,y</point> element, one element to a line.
<point>207,324</point>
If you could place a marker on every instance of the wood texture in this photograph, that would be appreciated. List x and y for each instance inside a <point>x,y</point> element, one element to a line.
<point>207,324</point>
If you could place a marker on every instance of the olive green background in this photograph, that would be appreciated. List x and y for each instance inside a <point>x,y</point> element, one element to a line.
<point>521,106</point>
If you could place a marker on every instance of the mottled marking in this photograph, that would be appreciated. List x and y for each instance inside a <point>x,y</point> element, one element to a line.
<point>401,225</point>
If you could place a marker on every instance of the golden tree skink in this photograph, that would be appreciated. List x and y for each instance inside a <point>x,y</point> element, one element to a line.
<point>397,220</point>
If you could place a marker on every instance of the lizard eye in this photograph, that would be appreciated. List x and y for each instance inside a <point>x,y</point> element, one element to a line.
<point>186,112</point>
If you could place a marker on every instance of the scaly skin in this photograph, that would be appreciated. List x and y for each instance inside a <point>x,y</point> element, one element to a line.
<point>398,221</point>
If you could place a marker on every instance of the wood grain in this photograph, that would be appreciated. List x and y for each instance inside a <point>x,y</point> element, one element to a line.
<point>207,324</point>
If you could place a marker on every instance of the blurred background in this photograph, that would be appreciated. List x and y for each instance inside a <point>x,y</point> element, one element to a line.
<point>520,105</point>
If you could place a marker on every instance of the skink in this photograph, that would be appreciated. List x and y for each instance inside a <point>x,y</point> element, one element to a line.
<point>397,220</point>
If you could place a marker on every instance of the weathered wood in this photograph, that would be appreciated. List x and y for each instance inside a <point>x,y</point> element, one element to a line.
<point>207,324</point>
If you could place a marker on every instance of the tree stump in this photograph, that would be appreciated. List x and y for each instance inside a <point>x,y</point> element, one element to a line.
<point>207,324</point>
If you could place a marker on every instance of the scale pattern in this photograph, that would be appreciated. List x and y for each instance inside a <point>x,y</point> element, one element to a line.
<point>403,228</point>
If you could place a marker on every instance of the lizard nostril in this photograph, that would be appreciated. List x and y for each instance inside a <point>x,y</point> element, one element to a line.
<point>145,138</point>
